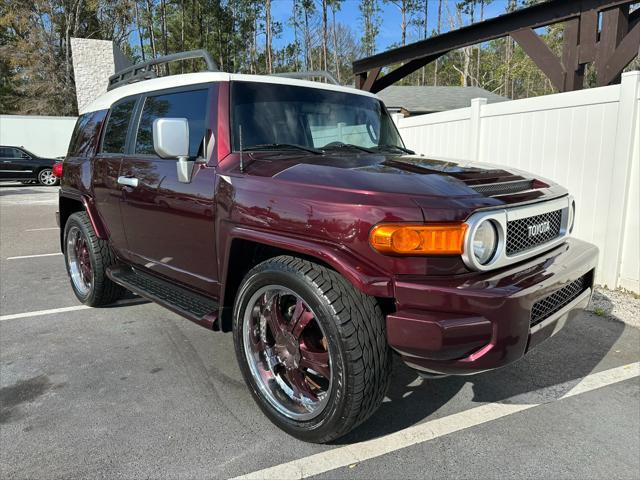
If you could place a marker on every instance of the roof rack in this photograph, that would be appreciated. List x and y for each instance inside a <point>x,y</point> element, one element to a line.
<point>304,75</point>
<point>144,70</point>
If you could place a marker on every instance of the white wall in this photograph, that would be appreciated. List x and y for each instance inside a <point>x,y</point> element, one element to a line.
<point>588,141</point>
<point>44,136</point>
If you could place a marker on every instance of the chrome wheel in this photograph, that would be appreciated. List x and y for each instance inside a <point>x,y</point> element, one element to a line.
<point>46,177</point>
<point>79,261</point>
<point>287,352</point>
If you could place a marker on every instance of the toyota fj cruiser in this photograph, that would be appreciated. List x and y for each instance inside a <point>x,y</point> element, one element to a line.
<point>290,213</point>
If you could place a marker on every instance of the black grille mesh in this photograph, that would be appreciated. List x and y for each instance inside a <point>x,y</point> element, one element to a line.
<point>503,188</point>
<point>518,238</point>
<point>546,307</point>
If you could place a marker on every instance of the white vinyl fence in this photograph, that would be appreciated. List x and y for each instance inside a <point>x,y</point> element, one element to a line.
<point>45,136</point>
<point>588,141</point>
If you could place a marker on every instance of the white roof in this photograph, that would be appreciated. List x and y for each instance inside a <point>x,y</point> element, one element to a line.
<point>105,101</point>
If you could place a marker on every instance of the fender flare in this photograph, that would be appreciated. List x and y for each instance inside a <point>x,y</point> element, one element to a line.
<point>87,202</point>
<point>363,276</point>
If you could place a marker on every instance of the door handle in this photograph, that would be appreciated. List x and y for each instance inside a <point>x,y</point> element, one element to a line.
<point>128,181</point>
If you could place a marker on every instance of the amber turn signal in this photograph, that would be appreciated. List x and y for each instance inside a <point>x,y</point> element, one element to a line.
<point>425,239</point>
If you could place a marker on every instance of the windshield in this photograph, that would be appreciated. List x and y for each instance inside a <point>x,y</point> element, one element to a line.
<point>285,116</point>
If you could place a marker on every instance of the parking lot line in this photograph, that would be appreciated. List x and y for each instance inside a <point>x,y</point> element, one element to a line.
<point>34,256</point>
<point>51,311</point>
<point>359,452</point>
<point>41,229</point>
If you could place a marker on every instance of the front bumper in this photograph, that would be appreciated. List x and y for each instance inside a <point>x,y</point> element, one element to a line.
<point>479,322</point>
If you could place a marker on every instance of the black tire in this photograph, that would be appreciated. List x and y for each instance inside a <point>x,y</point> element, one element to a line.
<point>102,290</point>
<point>355,329</point>
<point>46,178</point>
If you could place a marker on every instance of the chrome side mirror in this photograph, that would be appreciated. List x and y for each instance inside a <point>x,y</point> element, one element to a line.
<point>171,140</point>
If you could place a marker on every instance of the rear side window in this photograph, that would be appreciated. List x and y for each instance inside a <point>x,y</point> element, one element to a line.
<point>7,152</point>
<point>115,135</point>
<point>83,140</point>
<point>191,105</point>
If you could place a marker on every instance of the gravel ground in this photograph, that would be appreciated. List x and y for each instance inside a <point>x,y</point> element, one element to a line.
<point>618,304</point>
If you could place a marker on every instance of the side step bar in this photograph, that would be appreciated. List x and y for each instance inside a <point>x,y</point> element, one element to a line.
<point>195,307</point>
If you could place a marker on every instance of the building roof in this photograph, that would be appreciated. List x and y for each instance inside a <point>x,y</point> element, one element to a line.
<point>416,99</point>
<point>106,100</point>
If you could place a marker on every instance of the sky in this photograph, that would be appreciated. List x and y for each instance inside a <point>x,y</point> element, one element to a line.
<point>390,27</point>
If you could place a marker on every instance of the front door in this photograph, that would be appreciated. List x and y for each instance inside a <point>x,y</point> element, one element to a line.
<point>170,225</point>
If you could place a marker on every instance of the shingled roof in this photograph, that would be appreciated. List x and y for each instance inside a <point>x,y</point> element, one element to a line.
<point>416,100</point>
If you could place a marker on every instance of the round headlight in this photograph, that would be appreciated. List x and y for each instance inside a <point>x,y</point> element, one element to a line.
<point>485,242</point>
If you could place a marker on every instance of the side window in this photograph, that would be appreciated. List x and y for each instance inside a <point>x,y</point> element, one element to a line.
<point>191,105</point>
<point>83,139</point>
<point>115,135</point>
<point>6,152</point>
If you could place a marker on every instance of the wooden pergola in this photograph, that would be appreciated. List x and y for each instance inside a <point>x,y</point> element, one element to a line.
<point>599,31</point>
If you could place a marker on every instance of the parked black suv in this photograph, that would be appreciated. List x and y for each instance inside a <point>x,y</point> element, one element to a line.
<point>19,164</point>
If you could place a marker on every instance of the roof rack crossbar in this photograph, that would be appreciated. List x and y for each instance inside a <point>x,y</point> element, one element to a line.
<point>144,70</point>
<point>304,75</point>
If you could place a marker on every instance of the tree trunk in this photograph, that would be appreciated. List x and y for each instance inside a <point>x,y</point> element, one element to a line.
<point>403,25</point>
<point>139,29</point>
<point>324,35</point>
<point>438,26</point>
<point>479,47</point>
<point>152,37</point>
<point>425,33</point>
<point>335,43</point>
<point>308,59</point>
<point>267,26</point>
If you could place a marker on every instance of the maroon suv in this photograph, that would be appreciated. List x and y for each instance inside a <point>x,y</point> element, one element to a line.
<point>290,213</point>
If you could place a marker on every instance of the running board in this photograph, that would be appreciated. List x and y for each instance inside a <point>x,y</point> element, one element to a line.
<point>195,307</point>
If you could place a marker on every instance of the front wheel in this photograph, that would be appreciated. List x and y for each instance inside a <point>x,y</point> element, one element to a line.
<point>47,178</point>
<point>312,348</point>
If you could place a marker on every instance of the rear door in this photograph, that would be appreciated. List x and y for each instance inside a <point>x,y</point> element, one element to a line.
<point>107,192</point>
<point>15,164</point>
<point>170,225</point>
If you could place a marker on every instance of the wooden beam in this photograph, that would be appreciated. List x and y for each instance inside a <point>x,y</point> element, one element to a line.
<point>628,48</point>
<point>615,24</point>
<point>574,78</point>
<point>540,15</point>
<point>401,72</point>
<point>542,55</point>
<point>588,36</point>
<point>372,76</point>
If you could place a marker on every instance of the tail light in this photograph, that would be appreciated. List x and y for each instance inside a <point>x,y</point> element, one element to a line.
<point>434,239</point>
<point>57,169</point>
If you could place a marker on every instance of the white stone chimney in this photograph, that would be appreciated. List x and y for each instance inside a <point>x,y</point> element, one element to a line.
<point>94,61</point>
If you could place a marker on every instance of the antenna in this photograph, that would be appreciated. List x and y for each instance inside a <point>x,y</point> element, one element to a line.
<point>241,159</point>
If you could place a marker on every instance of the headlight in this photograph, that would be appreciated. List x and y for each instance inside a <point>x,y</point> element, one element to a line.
<point>485,241</point>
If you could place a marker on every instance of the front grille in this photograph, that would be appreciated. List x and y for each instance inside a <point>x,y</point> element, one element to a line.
<point>555,302</point>
<point>520,237</point>
<point>504,188</point>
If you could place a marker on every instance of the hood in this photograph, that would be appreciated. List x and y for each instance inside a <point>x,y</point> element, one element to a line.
<point>418,176</point>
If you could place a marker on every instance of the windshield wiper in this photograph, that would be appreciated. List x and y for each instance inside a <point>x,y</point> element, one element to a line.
<point>395,147</point>
<point>333,145</point>
<point>282,146</point>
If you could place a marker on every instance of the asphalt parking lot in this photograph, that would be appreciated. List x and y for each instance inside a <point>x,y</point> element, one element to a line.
<point>134,391</point>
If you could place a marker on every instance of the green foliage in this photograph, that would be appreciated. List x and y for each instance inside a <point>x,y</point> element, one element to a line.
<point>36,74</point>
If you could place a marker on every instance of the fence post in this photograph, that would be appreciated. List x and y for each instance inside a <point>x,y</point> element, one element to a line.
<point>621,177</point>
<point>474,137</point>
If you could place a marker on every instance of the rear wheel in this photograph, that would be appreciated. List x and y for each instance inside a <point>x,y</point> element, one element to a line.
<point>87,258</point>
<point>47,178</point>
<point>311,347</point>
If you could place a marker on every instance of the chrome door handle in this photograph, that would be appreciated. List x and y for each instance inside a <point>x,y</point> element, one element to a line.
<point>128,181</point>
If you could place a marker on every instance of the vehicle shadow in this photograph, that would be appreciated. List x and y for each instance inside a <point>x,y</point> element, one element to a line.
<point>563,359</point>
<point>24,190</point>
